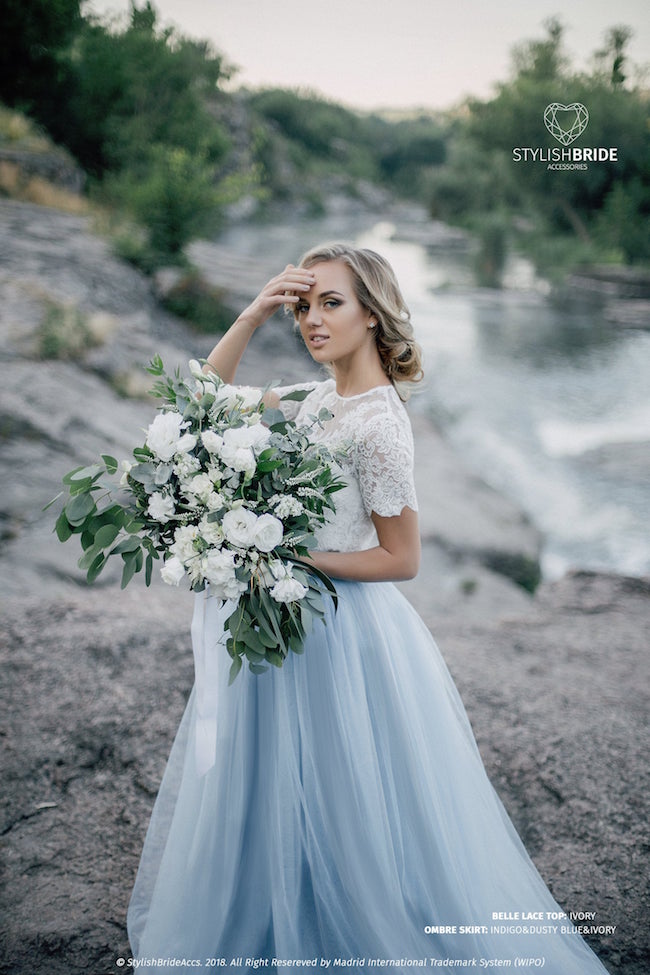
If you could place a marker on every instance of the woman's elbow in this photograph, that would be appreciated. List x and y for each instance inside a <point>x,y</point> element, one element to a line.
<point>409,566</point>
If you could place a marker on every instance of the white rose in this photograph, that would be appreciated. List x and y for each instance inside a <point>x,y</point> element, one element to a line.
<point>196,369</point>
<point>250,436</point>
<point>183,546</point>
<point>172,571</point>
<point>161,507</point>
<point>245,397</point>
<point>212,441</point>
<point>164,433</point>
<point>218,566</point>
<point>186,443</point>
<point>211,531</point>
<point>239,458</point>
<point>288,590</point>
<point>268,533</point>
<point>200,486</point>
<point>239,527</point>
<point>214,501</point>
<point>232,589</point>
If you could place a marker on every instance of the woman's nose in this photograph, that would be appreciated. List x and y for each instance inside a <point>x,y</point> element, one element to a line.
<point>313,316</point>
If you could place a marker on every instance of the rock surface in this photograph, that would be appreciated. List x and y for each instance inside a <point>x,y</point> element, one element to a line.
<point>94,681</point>
<point>94,686</point>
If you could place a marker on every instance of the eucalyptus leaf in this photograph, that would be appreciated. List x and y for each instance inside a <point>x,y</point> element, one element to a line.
<point>106,535</point>
<point>62,528</point>
<point>128,572</point>
<point>96,567</point>
<point>235,667</point>
<point>78,508</point>
<point>126,546</point>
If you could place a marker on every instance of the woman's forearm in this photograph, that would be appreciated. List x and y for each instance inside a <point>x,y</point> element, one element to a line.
<point>284,289</point>
<point>227,353</point>
<point>371,565</point>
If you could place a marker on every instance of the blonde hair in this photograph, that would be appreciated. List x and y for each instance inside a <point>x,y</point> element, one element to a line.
<point>377,290</point>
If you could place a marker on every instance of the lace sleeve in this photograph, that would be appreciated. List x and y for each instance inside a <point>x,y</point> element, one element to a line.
<point>385,456</point>
<point>291,407</point>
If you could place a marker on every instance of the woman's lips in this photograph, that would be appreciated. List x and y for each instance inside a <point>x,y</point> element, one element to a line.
<point>318,340</point>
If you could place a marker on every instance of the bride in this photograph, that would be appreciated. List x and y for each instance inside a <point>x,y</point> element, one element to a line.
<point>344,815</point>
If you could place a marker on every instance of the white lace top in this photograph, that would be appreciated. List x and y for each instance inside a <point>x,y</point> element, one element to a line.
<point>374,430</point>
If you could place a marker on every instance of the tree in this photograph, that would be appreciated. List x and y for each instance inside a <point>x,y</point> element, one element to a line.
<point>35,36</point>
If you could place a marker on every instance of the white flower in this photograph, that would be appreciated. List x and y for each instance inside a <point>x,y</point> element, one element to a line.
<point>163,434</point>
<point>186,443</point>
<point>212,441</point>
<point>280,569</point>
<point>172,571</point>
<point>267,533</point>
<point>126,466</point>
<point>244,397</point>
<point>239,527</point>
<point>238,458</point>
<point>249,436</point>
<point>287,506</point>
<point>196,369</point>
<point>211,531</point>
<point>161,507</point>
<point>186,466</point>
<point>183,545</point>
<point>200,486</point>
<point>218,566</point>
<point>288,590</point>
<point>214,501</point>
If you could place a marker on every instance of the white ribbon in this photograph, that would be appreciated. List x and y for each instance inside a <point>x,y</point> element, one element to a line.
<point>206,646</point>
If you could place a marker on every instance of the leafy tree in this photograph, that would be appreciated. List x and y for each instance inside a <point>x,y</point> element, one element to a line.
<point>141,87</point>
<point>33,69</point>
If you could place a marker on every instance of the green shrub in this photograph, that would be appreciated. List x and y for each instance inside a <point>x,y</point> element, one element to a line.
<point>197,301</point>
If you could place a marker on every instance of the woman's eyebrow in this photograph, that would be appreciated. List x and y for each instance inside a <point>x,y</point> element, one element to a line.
<point>324,294</point>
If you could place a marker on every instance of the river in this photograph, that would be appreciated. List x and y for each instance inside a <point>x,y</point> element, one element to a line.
<point>548,404</point>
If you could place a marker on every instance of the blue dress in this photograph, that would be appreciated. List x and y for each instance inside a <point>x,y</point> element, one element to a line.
<point>343,814</point>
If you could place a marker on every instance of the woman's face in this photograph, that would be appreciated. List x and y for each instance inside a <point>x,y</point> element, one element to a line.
<point>334,325</point>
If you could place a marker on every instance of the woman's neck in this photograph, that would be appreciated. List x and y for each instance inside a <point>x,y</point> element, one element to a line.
<point>359,376</point>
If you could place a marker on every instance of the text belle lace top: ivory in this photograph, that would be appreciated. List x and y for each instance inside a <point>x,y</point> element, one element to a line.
<point>374,430</point>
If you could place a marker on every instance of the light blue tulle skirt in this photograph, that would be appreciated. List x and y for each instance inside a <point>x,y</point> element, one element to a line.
<point>347,817</point>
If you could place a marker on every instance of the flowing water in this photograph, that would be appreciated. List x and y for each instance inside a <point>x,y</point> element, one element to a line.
<point>550,405</point>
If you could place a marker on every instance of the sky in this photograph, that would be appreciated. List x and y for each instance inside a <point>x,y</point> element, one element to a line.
<point>371,54</point>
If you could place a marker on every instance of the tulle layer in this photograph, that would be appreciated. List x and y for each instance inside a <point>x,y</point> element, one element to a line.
<point>347,814</point>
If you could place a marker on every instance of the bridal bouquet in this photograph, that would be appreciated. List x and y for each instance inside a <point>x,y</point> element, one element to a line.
<point>225,500</point>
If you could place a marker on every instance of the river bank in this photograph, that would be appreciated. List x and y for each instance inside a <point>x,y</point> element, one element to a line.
<point>95,680</point>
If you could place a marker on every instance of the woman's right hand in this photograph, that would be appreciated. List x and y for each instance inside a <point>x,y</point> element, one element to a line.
<point>281,290</point>
<point>278,291</point>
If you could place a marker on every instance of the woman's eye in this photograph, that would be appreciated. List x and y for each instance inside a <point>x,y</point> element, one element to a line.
<point>301,307</point>
<point>332,303</point>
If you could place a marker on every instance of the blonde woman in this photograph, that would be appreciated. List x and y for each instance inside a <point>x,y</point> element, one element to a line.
<point>347,814</point>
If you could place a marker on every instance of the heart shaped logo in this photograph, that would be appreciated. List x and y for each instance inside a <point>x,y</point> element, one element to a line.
<point>566,122</point>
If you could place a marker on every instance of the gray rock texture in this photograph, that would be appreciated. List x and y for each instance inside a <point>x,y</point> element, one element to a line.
<point>94,681</point>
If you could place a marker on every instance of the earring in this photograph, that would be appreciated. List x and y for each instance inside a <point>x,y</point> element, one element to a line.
<point>371,324</point>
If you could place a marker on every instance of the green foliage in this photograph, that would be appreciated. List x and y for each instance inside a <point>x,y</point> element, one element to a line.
<point>33,69</point>
<point>139,87</point>
<point>300,132</point>
<point>600,212</point>
<point>194,299</point>
<point>174,197</point>
<point>64,333</point>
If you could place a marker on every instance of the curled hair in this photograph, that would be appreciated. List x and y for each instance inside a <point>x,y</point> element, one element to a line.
<point>377,291</point>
